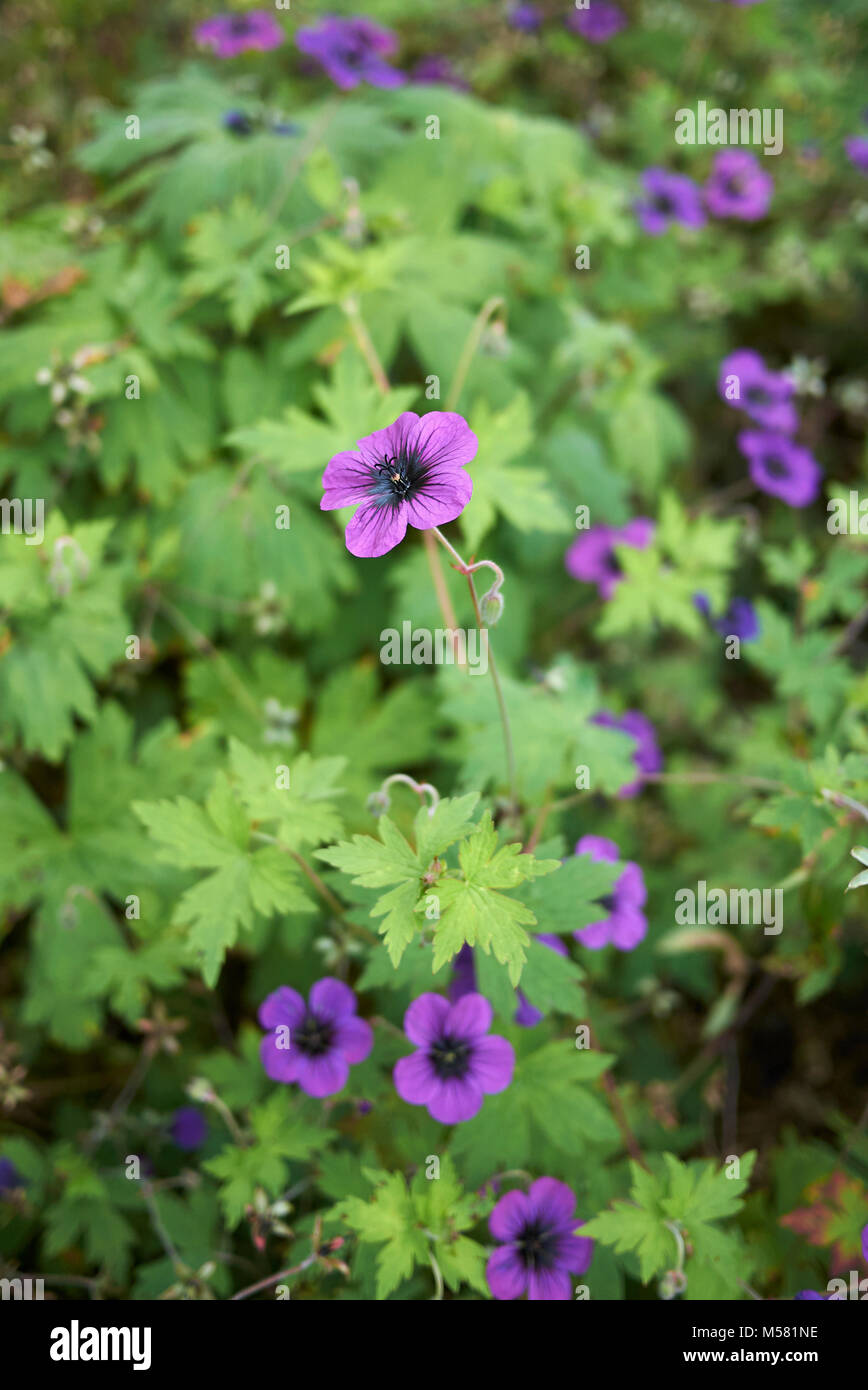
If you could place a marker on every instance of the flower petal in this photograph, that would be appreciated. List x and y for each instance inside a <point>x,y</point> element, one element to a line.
<point>284,1006</point>
<point>324,1075</point>
<point>375,530</point>
<point>280,1063</point>
<point>445,439</point>
<point>415,1079</point>
<point>453,1101</point>
<point>493,1063</point>
<point>354,1038</point>
<point>423,1021</point>
<point>506,1275</point>
<point>469,1018</point>
<point>331,999</point>
<point>549,1286</point>
<point>552,1202</point>
<point>440,500</point>
<point>348,478</point>
<point>509,1215</point>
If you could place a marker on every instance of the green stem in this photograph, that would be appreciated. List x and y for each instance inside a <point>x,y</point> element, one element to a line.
<point>468,352</point>
<point>492,666</point>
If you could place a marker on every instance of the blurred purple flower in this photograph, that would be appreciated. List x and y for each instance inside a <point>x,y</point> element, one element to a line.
<point>739,620</point>
<point>598,23</point>
<point>230,34</point>
<point>457,1062</point>
<point>437,71</point>
<point>647,756</point>
<point>352,51</point>
<point>780,467</point>
<point>10,1178</point>
<point>625,923</point>
<point>856,150</point>
<point>525,17</point>
<point>865,1244</point>
<point>738,186</point>
<point>410,473</point>
<point>325,1037</point>
<point>526,1015</point>
<point>669,198</point>
<point>591,556</point>
<point>463,975</point>
<point>764,395</point>
<point>539,1249</point>
<point>189,1129</point>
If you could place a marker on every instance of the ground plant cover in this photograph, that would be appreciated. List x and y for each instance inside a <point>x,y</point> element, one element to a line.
<point>433,635</point>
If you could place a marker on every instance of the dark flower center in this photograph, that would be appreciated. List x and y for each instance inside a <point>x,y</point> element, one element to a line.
<point>608,902</point>
<point>537,1247</point>
<point>314,1037</point>
<point>396,478</point>
<point>775,466</point>
<point>239,24</point>
<point>757,395</point>
<point>450,1057</point>
<point>661,202</point>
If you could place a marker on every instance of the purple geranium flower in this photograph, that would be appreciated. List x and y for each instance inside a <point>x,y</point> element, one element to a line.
<point>808,1294</point>
<point>668,198</point>
<point>231,34</point>
<point>324,1037</point>
<point>352,51</point>
<point>598,23</point>
<point>856,150</point>
<point>526,1015</point>
<point>865,1244</point>
<point>10,1178</point>
<point>525,17</point>
<point>437,71</point>
<point>411,472</point>
<point>457,1062</point>
<point>540,1249</point>
<point>738,186</point>
<point>591,556</point>
<point>739,620</point>
<point>764,395</point>
<point>647,756</point>
<point>780,467</point>
<point>188,1129</point>
<point>625,923</point>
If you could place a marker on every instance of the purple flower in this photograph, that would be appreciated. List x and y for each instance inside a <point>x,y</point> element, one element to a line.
<point>408,473</point>
<point>764,395</point>
<point>807,1294</point>
<point>525,17</point>
<point>457,1062</point>
<point>352,51</point>
<point>865,1244</point>
<point>856,150</point>
<point>669,198</point>
<point>324,1037</point>
<point>540,1249</point>
<point>739,620</point>
<point>625,924</point>
<point>598,23</point>
<point>526,1016</point>
<point>10,1178</point>
<point>647,756</point>
<point>231,34</point>
<point>780,467</point>
<point>188,1129</point>
<point>437,71</point>
<point>591,556</point>
<point>738,186</point>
